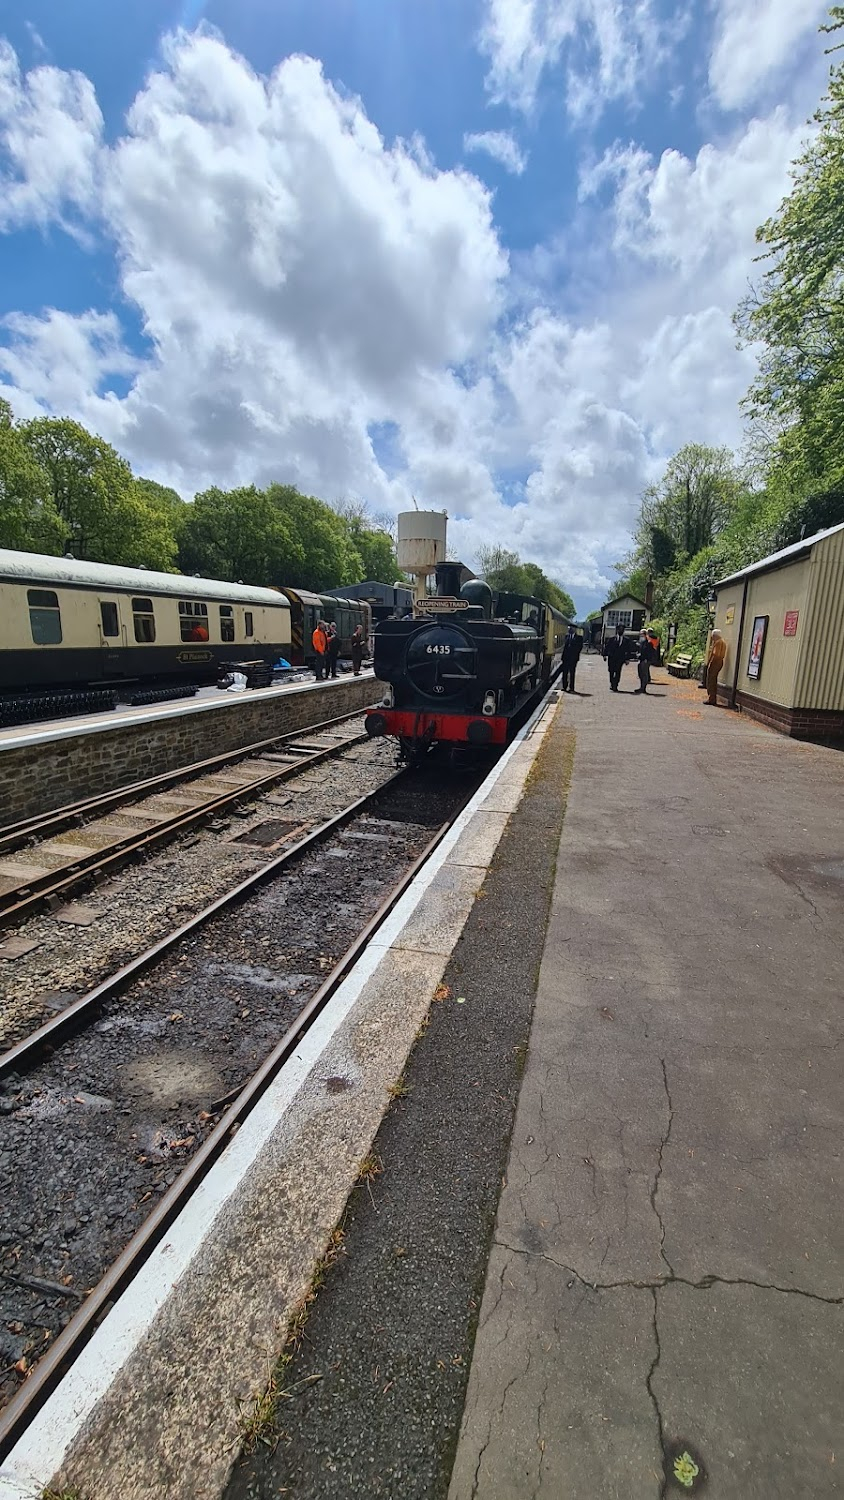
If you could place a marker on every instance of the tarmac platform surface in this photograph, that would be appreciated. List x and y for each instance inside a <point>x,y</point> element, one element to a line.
<point>657,1306</point>
<point>664,1295</point>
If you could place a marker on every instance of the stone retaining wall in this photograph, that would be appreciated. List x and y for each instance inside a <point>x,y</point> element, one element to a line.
<point>51,773</point>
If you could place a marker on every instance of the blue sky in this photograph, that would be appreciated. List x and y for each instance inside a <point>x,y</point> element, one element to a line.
<point>484,252</point>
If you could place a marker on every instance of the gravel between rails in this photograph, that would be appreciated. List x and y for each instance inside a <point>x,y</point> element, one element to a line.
<point>99,1130</point>
<point>148,899</point>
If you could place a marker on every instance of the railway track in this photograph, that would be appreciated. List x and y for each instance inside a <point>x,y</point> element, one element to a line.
<point>46,858</point>
<point>112,1113</point>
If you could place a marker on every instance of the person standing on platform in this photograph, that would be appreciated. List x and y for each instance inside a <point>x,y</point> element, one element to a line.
<point>615,652</point>
<point>643,665</point>
<point>357,650</point>
<point>572,647</point>
<point>319,641</point>
<point>714,662</point>
<point>333,650</point>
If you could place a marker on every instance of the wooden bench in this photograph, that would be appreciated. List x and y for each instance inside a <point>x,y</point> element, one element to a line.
<point>681,665</point>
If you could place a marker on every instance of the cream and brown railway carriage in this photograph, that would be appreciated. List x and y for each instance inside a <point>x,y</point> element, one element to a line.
<point>64,623</point>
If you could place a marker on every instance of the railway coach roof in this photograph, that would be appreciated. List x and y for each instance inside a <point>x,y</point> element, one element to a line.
<point>33,567</point>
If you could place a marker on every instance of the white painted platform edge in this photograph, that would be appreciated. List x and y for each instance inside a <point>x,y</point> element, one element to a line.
<point>38,1455</point>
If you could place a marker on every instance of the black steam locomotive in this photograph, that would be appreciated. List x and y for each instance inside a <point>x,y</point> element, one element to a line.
<point>464,666</point>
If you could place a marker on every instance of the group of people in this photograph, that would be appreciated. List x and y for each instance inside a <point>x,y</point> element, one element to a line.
<point>326,643</point>
<point>616,652</point>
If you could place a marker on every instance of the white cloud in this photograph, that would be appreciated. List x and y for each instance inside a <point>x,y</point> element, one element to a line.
<point>300,282</point>
<point>753,43</point>
<point>50,135</point>
<point>501,146</point>
<point>607,45</point>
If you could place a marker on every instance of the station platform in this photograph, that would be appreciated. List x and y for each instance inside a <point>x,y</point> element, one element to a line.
<point>592,1102</point>
<point>46,765</point>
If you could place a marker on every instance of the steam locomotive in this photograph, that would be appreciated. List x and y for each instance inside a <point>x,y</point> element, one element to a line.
<point>466,665</point>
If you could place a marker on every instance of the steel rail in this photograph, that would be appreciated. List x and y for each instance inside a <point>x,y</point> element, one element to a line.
<point>23,899</point>
<point>16,834</point>
<point>75,1017</point>
<point>76,1334</point>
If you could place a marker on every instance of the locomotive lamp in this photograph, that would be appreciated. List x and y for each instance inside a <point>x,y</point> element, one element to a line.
<point>490,703</point>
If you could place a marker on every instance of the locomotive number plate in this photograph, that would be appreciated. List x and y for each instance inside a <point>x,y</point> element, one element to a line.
<point>438,650</point>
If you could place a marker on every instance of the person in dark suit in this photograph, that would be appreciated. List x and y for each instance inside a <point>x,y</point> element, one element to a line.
<point>615,652</point>
<point>645,656</point>
<point>572,647</point>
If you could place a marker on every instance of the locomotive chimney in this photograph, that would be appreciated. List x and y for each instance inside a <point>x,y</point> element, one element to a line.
<point>448,579</point>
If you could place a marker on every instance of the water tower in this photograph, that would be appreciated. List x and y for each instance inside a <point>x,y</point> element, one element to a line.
<point>421,545</point>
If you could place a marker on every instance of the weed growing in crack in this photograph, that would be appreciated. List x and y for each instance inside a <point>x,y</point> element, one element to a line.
<point>400,1089</point>
<point>259,1424</point>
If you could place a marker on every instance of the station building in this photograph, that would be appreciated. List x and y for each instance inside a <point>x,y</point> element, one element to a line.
<point>783,621</point>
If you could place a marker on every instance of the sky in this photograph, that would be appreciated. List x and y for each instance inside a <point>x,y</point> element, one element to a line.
<point>483,254</point>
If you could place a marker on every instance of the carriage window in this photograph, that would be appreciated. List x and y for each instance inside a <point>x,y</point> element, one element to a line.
<point>45,619</point>
<point>226,622</point>
<point>144,620</point>
<point>193,620</point>
<point>247,622</point>
<point>108,619</point>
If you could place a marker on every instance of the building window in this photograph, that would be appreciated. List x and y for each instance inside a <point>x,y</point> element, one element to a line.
<point>247,622</point>
<point>616,617</point>
<point>193,620</point>
<point>226,622</point>
<point>144,621</point>
<point>45,619</point>
<point>108,618</point>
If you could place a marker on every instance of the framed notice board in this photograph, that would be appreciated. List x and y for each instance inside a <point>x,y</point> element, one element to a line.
<point>757,646</point>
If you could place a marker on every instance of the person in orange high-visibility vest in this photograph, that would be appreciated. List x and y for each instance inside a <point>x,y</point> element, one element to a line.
<point>319,641</point>
<point>714,662</point>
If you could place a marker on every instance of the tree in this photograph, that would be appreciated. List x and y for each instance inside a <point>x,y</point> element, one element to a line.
<point>502,569</point>
<point>328,556</point>
<point>371,540</point>
<point>93,493</point>
<point>241,536</point>
<point>28,519</point>
<point>685,511</point>
<point>797,313</point>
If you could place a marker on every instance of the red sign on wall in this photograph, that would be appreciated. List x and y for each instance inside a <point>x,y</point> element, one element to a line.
<point>791,618</point>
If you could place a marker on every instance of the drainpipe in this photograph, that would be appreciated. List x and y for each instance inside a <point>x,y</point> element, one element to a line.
<point>738,643</point>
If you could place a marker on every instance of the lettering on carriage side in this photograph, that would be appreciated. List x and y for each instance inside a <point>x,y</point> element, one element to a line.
<point>193,656</point>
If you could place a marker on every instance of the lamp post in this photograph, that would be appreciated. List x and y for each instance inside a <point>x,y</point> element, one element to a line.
<point>711,606</point>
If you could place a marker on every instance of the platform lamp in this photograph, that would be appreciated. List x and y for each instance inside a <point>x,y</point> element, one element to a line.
<point>711,606</point>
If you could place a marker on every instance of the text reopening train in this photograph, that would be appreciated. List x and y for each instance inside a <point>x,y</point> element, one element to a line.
<point>465,667</point>
<point>66,623</point>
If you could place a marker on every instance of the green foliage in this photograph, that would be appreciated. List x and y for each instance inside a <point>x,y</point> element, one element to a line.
<point>104,517</point>
<point>329,558</point>
<point>797,312</point>
<point>502,569</point>
<point>28,519</point>
<point>239,535</point>
<point>372,542</point>
<point>687,509</point>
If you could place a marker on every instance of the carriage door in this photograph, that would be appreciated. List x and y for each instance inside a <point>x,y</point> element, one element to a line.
<point>112,638</point>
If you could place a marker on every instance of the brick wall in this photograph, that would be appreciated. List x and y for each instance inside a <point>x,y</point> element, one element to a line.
<point>826,725</point>
<point>41,777</point>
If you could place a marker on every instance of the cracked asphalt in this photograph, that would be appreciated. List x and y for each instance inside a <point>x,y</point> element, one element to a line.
<point>663,1301</point>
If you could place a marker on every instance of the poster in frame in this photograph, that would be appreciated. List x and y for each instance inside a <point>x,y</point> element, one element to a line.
<point>757,646</point>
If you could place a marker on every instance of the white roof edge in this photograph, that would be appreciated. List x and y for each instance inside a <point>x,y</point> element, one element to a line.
<point>40,568</point>
<point>775,558</point>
